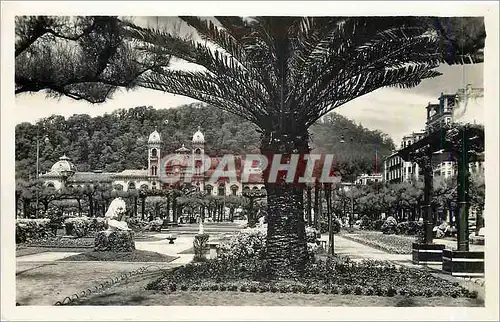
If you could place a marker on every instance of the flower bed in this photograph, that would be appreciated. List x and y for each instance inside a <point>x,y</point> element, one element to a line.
<point>241,266</point>
<point>394,244</point>
<point>84,226</point>
<point>334,276</point>
<point>32,229</point>
<point>60,242</point>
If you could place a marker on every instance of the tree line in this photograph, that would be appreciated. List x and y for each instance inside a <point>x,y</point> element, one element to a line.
<point>118,141</point>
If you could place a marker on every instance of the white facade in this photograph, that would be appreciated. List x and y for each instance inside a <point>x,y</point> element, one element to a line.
<point>365,179</point>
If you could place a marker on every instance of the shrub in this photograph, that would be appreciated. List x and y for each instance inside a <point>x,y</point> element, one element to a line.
<point>311,234</point>
<point>249,243</point>
<point>366,223</point>
<point>155,225</point>
<point>389,226</point>
<point>20,234</point>
<point>97,224</point>
<point>403,228</point>
<point>136,224</point>
<point>32,229</point>
<point>336,225</point>
<point>313,250</point>
<point>79,226</point>
<point>377,224</point>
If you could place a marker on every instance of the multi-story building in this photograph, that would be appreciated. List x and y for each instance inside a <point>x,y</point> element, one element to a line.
<point>439,116</point>
<point>396,170</point>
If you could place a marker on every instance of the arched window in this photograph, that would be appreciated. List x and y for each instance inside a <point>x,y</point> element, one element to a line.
<point>131,185</point>
<point>255,188</point>
<point>50,185</point>
<point>144,187</point>
<point>208,189</point>
<point>234,190</point>
<point>222,190</point>
<point>154,170</point>
<point>153,185</point>
<point>154,153</point>
<point>119,187</point>
<point>197,151</point>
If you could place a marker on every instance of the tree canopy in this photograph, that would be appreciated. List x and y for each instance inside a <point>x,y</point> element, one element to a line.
<point>118,141</point>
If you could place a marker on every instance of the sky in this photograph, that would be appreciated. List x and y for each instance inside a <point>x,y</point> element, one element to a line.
<point>396,112</point>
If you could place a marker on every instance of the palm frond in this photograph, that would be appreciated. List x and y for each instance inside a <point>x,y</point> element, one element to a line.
<point>205,87</point>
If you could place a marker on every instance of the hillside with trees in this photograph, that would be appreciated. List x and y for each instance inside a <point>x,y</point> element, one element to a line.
<point>117,141</point>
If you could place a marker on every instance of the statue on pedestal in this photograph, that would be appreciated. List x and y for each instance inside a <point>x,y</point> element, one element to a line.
<point>118,237</point>
<point>116,209</point>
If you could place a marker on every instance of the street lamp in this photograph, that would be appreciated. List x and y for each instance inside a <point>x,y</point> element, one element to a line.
<point>46,140</point>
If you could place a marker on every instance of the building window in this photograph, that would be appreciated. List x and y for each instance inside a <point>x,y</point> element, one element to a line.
<point>208,189</point>
<point>131,186</point>
<point>50,185</point>
<point>154,170</point>
<point>234,190</point>
<point>154,153</point>
<point>222,190</point>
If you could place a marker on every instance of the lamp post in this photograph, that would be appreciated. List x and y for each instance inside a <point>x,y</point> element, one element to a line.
<point>46,140</point>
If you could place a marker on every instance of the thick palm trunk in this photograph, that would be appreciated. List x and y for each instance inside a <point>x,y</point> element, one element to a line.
<point>286,238</point>
<point>286,242</point>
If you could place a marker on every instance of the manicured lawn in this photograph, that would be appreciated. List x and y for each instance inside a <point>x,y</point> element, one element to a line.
<point>135,256</point>
<point>44,283</point>
<point>394,244</point>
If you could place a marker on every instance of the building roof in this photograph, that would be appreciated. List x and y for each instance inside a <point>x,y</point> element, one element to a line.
<point>63,165</point>
<point>92,176</point>
<point>182,149</point>
<point>132,173</point>
<point>198,137</point>
<point>154,137</point>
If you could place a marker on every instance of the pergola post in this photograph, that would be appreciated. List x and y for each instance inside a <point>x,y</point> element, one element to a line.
<point>426,252</point>
<point>426,164</point>
<point>463,194</point>
<point>463,262</point>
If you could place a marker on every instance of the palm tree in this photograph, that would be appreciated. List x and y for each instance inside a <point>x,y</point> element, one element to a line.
<point>284,73</point>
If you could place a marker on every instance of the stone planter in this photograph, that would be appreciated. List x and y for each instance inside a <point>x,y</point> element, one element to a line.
<point>115,241</point>
<point>424,254</point>
<point>463,263</point>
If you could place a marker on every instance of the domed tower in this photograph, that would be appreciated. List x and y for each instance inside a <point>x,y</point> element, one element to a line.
<point>154,144</point>
<point>63,169</point>
<point>198,153</point>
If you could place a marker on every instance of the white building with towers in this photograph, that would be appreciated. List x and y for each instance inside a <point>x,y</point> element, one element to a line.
<point>190,163</point>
